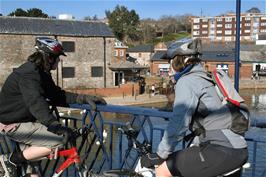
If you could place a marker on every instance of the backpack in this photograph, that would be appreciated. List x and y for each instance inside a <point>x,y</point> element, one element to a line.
<point>229,96</point>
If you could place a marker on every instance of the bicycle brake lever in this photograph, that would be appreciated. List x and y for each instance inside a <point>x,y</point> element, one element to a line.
<point>121,130</point>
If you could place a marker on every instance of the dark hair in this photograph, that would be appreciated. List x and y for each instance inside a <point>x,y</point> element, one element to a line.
<point>39,59</point>
<point>178,63</point>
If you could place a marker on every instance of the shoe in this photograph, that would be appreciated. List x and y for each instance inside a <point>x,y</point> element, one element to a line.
<point>9,168</point>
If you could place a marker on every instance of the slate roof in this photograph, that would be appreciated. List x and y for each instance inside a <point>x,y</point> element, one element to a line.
<point>126,65</point>
<point>142,48</point>
<point>218,47</point>
<point>253,57</point>
<point>159,56</point>
<point>262,36</point>
<point>44,26</point>
<point>206,56</point>
<point>217,52</point>
<point>230,47</point>
<point>218,56</point>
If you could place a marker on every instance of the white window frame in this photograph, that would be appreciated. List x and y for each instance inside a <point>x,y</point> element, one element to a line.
<point>228,32</point>
<point>116,53</point>
<point>228,25</point>
<point>204,26</point>
<point>204,32</point>
<point>219,19</point>
<point>219,25</point>
<point>228,19</point>
<point>196,26</point>
<point>204,20</point>
<point>121,53</point>
<point>219,32</point>
<point>247,24</point>
<point>195,32</point>
<point>227,39</point>
<point>196,20</point>
<point>247,31</point>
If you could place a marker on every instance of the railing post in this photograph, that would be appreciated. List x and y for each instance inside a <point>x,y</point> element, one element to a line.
<point>254,159</point>
<point>237,43</point>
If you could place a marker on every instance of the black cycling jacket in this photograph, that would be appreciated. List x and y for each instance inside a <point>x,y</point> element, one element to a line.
<point>25,94</point>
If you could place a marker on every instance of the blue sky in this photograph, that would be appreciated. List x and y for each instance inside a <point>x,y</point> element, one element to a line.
<point>144,8</point>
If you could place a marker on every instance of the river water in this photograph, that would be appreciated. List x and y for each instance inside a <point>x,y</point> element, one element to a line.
<point>256,100</point>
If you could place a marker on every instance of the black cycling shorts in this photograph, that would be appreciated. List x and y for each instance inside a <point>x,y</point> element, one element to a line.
<point>206,161</point>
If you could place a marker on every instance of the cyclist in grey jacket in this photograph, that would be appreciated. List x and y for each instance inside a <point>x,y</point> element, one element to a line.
<point>217,150</point>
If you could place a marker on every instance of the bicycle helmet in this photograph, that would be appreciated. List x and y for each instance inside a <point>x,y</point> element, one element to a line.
<point>49,46</point>
<point>185,48</point>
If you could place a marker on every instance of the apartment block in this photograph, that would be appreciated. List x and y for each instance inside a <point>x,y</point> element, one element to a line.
<point>223,28</point>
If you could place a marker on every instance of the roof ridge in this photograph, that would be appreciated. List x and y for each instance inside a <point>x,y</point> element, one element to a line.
<point>52,19</point>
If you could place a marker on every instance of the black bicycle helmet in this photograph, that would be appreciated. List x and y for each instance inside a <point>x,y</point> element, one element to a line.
<point>185,48</point>
<point>49,46</point>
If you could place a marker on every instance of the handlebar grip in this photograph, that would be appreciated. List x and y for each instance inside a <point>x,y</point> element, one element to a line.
<point>129,131</point>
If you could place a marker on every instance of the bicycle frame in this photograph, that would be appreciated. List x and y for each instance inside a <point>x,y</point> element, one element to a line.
<point>141,148</point>
<point>72,157</point>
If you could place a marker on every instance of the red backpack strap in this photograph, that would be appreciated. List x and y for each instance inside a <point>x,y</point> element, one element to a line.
<point>223,90</point>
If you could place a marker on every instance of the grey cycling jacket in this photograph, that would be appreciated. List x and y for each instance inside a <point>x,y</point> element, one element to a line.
<point>189,90</point>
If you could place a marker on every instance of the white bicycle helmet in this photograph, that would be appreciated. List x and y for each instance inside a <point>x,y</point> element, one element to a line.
<point>188,48</point>
<point>49,46</point>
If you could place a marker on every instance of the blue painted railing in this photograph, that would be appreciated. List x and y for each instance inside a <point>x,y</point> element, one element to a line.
<point>107,148</point>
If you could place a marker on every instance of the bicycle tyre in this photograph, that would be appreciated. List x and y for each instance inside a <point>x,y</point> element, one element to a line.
<point>121,172</point>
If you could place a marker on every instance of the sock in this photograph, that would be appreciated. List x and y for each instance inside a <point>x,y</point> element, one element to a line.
<point>17,158</point>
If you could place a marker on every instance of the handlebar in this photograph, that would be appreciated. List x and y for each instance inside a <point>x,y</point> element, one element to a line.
<point>129,131</point>
<point>75,134</point>
<point>132,134</point>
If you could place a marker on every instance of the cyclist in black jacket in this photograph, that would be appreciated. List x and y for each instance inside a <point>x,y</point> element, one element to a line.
<point>25,101</point>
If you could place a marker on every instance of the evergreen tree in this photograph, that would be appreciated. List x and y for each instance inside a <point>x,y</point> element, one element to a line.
<point>123,23</point>
<point>33,12</point>
<point>253,10</point>
<point>19,12</point>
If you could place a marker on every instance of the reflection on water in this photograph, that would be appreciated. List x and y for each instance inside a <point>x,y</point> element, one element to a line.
<point>256,100</point>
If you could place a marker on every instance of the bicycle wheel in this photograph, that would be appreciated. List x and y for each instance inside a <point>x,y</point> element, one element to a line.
<point>120,173</point>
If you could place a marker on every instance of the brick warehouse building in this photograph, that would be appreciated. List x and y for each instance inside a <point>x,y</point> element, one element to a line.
<point>89,48</point>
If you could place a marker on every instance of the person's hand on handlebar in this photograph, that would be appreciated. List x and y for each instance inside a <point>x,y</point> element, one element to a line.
<point>91,100</point>
<point>150,160</point>
<point>58,129</point>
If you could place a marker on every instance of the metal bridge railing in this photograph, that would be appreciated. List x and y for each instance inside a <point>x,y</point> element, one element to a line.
<point>107,148</point>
